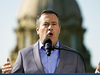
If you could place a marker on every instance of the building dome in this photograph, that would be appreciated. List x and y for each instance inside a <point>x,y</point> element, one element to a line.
<point>68,11</point>
<point>66,8</point>
<point>32,8</point>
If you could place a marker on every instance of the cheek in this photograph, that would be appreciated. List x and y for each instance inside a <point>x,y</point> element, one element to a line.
<point>43,30</point>
<point>58,31</point>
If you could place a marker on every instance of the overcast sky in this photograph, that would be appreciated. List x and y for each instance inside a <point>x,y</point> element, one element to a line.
<point>91,22</point>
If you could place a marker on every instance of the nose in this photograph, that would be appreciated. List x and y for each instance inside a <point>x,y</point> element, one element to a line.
<point>50,27</point>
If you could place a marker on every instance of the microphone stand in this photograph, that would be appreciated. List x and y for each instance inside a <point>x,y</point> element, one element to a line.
<point>71,50</point>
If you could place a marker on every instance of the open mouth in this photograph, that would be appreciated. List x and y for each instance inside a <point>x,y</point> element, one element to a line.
<point>50,34</point>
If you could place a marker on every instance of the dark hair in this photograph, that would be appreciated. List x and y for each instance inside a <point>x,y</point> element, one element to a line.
<point>47,12</point>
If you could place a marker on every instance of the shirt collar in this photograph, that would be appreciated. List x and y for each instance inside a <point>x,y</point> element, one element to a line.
<point>40,44</point>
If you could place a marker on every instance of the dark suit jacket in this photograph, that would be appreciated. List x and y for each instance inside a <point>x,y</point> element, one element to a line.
<point>28,61</point>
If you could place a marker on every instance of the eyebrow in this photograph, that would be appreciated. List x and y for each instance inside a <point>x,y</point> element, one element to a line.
<point>46,22</point>
<point>51,22</point>
<point>54,22</point>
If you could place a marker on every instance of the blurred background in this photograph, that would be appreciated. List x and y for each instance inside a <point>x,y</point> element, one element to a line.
<point>80,21</point>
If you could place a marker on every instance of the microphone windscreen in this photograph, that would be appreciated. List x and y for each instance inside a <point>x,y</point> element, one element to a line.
<point>47,40</point>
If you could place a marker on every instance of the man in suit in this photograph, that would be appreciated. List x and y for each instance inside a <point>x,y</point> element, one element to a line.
<point>33,59</point>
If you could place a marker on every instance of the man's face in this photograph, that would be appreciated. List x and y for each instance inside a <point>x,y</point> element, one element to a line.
<point>48,28</point>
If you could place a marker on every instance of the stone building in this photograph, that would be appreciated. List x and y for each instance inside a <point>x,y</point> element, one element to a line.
<point>70,20</point>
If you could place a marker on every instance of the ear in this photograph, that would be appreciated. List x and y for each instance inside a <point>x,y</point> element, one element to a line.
<point>59,29</point>
<point>37,29</point>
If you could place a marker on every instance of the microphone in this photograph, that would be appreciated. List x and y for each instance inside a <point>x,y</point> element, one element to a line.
<point>48,46</point>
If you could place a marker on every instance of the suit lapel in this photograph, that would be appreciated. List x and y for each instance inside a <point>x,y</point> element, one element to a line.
<point>38,62</point>
<point>37,59</point>
<point>61,61</point>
